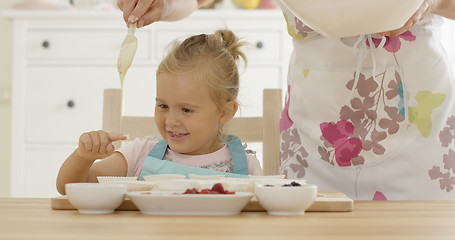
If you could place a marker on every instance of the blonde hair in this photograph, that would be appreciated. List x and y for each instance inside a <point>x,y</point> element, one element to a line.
<point>211,58</point>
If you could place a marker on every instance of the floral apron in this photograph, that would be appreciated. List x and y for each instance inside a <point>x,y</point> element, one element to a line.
<point>373,117</point>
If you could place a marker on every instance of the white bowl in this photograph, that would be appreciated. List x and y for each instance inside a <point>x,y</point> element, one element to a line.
<point>171,203</point>
<point>279,200</point>
<point>156,177</point>
<point>95,198</point>
<point>280,181</point>
<point>177,185</point>
<point>137,185</point>
<point>346,18</point>
<point>257,177</point>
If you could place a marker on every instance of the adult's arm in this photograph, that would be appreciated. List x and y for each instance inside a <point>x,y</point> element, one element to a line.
<point>444,8</point>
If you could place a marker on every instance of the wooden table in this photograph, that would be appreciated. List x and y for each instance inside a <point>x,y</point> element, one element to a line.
<point>26,218</point>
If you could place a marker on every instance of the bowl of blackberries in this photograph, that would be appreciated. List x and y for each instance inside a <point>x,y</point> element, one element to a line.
<point>286,199</point>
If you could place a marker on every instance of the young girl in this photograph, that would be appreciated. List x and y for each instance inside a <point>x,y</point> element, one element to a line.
<point>197,86</point>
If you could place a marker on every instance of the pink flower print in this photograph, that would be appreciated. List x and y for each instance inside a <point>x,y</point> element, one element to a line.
<point>451,122</point>
<point>365,107</point>
<point>346,113</point>
<point>396,88</point>
<point>325,155</point>
<point>364,86</point>
<point>376,137</point>
<point>301,28</point>
<point>445,180</point>
<point>285,121</point>
<point>345,147</point>
<point>446,136</point>
<point>379,196</point>
<point>393,44</point>
<point>449,160</point>
<point>359,160</point>
<point>392,123</point>
<point>300,167</point>
<point>290,140</point>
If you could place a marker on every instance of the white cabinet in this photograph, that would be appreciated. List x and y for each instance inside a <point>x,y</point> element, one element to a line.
<point>62,61</point>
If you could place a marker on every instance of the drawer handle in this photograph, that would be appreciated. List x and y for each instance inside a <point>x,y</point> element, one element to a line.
<point>259,45</point>
<point>70,104</point>
<point>45,44</point>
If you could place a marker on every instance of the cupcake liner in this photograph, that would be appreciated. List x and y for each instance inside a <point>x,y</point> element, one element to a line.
<point>109,179</point>
<point>157,177</point>
<point>205,177</point>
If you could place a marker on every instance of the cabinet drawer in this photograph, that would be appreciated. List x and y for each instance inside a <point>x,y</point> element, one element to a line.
<point>84,46</point>
<point>264,46</point>
<point>62,103</point>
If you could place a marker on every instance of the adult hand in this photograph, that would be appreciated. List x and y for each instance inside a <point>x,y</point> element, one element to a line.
<point>144,12</point>
<point>427,7</point>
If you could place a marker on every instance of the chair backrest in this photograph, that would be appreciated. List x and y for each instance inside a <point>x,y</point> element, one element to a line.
<point>263,129</point>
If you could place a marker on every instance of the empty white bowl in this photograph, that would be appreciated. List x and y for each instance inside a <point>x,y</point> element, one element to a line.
<point>156,177</point>
<point>286,201</point>
<point>137,185</point>
<point>95,198</point>
<point>346,18</point>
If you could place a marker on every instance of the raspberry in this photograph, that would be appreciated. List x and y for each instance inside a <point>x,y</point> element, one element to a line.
<point>191,191</point>
<point>205,191</point>
<point>218,187</point>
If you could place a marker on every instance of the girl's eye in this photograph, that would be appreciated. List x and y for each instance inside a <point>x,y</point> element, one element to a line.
<point>187,110</point>
<point>164,106</point>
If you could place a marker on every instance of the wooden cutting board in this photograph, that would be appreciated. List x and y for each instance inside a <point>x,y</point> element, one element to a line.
<point>325,202</point>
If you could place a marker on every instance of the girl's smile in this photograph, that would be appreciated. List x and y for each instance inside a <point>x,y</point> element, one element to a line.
<point>187,118</point>
<point>177,136</point>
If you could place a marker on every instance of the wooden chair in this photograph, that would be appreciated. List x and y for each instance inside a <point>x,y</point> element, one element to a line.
<point>263,129</point>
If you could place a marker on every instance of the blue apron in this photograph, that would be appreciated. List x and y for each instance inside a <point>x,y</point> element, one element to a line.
<point>155,165</point>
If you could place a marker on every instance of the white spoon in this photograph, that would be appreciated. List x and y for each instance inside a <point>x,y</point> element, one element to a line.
<point>127,52</point>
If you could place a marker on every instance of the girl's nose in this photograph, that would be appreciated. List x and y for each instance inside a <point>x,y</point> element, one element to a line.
<point>172,118</point>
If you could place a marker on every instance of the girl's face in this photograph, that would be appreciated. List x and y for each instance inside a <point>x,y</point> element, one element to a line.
<point>185,115</point>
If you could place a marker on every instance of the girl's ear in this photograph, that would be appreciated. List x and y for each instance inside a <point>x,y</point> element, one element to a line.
<point>229,111</point>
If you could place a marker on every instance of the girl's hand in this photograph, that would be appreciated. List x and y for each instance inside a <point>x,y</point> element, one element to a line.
<point>427,7</point>
<point>97,144</point>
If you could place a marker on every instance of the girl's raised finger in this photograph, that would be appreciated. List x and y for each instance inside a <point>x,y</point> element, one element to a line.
<point>96,142</point>
<point>104,141</point>
<point>116,136</point>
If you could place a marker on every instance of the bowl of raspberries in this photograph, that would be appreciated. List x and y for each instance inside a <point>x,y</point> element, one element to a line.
<point>286,199</point>
<point>193,201</point>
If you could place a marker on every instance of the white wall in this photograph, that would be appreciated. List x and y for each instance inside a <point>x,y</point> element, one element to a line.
<point>5,108</point>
